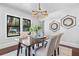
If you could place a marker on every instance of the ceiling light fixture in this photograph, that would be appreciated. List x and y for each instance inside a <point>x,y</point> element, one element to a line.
<point>39,13</point>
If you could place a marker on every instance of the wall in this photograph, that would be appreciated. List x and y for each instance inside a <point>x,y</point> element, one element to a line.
<point>71,36</point>
<point>4,40</point>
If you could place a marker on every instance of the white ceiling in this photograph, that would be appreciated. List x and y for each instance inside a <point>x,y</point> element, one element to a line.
<point>50,7</point>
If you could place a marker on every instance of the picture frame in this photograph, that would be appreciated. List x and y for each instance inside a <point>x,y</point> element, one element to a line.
<point>13,26</point>
<point>54,26</point>
<point>68,21</point>
<point>26,24</point>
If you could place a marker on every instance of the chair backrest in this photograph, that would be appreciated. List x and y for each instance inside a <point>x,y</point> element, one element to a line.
<point>51,45</point>
<point>23,36</point>
<point>58,40</point>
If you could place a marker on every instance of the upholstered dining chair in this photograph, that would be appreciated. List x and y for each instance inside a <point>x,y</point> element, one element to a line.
<point>23,36</point>
<point>56,51</point>
<point>49,49</point>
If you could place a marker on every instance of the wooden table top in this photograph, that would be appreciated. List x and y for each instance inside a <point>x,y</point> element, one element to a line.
<point>31,41</point>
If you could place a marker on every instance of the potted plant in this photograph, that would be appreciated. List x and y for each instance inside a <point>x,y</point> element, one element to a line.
<point>34,29</point>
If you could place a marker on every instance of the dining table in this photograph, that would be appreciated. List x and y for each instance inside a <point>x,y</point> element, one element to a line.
<point>30,42</point>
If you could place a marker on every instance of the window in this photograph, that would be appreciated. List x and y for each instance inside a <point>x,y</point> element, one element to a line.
<point>13,26</point>
<point>26,24</point>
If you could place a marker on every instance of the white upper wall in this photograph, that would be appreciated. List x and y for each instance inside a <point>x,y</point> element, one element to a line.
<point>71,35</point>
<point>4,11</point>
<point>57,12</point>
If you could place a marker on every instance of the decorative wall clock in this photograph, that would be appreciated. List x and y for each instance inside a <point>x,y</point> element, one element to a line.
<point>68,21</point>
<point>54,26</point>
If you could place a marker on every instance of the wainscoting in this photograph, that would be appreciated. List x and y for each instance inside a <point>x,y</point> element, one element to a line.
<point>68,50</point>
<point>8,49</point>
<point>64,50</point>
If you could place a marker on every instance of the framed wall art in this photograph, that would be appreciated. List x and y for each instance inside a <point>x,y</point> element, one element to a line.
<point>13,26</point>
<point>26,24</point>
<point>54,26</point>
<point>68,21</point>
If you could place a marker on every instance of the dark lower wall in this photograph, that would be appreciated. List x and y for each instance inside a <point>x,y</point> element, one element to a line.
<point>75,51</point>
<point>8,49</point>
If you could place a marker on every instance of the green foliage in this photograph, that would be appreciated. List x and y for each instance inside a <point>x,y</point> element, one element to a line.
<point>35,28</point>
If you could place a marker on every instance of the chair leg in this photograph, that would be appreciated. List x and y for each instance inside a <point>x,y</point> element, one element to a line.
<point>37,45</point>
<point>58,50</point>
<point>33,54</point>
<point>33,47</point>
<point>25,51</point>
<point>52,55</point>
<point>43,43</point>
<point>19,45</point>
<point>54,52</point>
